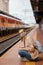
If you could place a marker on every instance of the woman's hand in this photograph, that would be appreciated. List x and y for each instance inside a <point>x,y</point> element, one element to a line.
<point>29,49</point>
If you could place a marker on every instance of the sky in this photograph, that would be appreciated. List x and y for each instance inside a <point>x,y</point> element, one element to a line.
<point>22,9</point>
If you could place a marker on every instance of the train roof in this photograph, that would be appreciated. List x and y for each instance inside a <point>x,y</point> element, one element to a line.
<point>10,16</point>
<point>4,13</point>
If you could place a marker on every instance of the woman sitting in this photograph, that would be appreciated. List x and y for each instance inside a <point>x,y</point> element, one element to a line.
<point>31,51</point>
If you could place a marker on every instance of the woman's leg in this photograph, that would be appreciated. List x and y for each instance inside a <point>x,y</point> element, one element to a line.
<point>40,47</point>
<point>25,54</point>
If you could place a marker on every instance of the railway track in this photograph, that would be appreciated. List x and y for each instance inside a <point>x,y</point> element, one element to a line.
<point>5,45</point>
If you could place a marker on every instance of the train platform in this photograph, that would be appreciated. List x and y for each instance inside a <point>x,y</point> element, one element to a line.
<point>11,56</point>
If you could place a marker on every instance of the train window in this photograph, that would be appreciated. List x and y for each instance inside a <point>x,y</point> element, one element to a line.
<point>3,22</point>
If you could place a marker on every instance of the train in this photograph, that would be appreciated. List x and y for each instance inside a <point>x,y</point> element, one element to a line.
<point>8,23</point>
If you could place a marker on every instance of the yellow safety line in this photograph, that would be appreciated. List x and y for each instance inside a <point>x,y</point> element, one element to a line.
<point>30,63</point>
<point>35,35</point>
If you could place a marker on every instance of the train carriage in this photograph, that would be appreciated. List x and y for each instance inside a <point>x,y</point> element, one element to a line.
<point>8,23</point>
